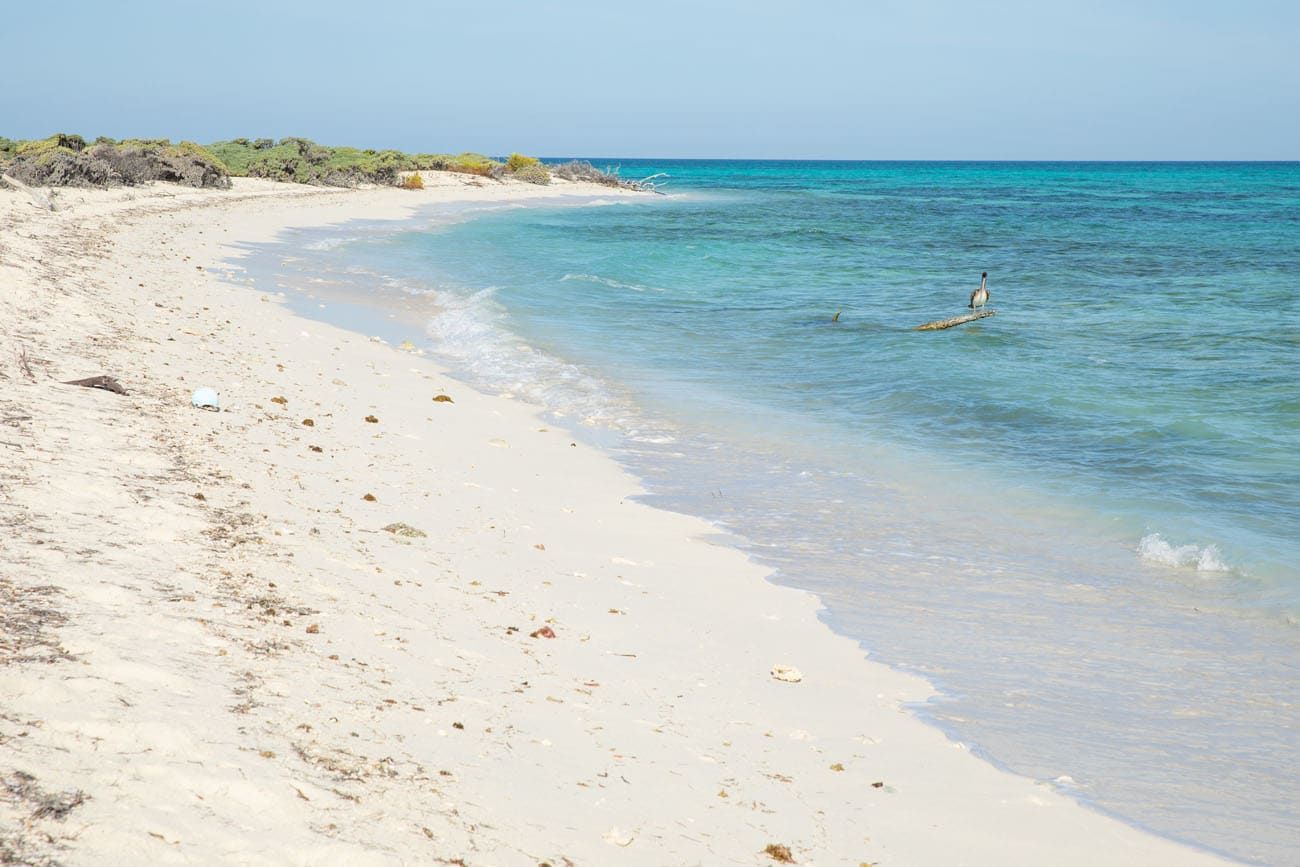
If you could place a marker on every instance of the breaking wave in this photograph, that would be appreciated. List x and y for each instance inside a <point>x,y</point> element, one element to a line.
<point>471,331</point>
<point>1154,549</point>
<point>613,284</point>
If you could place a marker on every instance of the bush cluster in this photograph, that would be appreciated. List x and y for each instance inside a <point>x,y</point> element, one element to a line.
<point>68,161</point>
<point>299,160</point>
<point>534,174</point>
<point>581,170</point>
<point>527,169</point>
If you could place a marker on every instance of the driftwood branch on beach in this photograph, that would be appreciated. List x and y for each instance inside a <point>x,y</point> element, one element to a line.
<point>107,383</point>
<point>956,320</point>
<point>39,199</point>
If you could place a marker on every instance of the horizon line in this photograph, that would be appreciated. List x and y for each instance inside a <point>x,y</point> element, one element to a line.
<point>926,160</point>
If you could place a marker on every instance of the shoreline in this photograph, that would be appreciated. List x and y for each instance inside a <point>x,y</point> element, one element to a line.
<point>299,247</point>
<point>200,725</point>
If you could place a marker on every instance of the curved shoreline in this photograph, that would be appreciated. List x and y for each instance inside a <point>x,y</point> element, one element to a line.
<point>202,726</point>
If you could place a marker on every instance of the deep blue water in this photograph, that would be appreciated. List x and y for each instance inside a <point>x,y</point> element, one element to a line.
<point>1080,518</point>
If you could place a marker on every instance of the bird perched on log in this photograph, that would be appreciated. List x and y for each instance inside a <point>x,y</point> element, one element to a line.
<point>980,296</point>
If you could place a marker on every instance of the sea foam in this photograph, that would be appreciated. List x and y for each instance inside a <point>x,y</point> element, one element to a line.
<point>1154,549</point>
<point>610,282</point>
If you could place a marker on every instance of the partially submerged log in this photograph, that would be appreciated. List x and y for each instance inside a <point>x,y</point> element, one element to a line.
<point>956,320</point>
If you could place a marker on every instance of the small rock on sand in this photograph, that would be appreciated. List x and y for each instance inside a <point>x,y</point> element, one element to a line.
<point>405,530</point>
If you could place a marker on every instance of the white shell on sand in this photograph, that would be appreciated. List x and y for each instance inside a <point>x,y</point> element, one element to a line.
<point>205,398</point>
<point>787,673</point>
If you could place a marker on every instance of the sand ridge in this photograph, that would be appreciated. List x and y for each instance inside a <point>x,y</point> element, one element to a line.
<point>213,651</point>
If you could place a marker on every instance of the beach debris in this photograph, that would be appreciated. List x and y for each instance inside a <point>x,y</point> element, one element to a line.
<point>316,448</point>
<point>25,364</point>
<point>540,547</point>
<point>372,419</point>
<point>39,199</point>
<point>198,495</point>
<point>407,346</point>
<point>21,787</point>
<point>313,629</point>
<point>786,673</point>
<point>308,422</point>
<point>107,383</point>
<point>939,324</point>
<point>544,632</point>
<point>878,785</point>
<point>405,530</point>
<point>615,837</point>
<point>280,399</point>
<point>206,398</point>
<point>442,398</point>
<point>778,852</point>
<point>838,766</point>
<point>836,317</point>
<point>370,498</point>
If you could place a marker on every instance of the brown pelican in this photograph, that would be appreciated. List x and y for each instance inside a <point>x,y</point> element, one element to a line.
<point>980,296</point>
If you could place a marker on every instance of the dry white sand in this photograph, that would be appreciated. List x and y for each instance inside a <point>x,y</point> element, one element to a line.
<point>211,651</point>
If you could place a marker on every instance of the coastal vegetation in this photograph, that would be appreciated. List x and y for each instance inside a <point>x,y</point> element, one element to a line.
<point>70,161</point>
<point>64,160</point>
<point>581,170</point>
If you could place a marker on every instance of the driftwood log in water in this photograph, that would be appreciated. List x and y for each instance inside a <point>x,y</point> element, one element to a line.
<point>956,320</point>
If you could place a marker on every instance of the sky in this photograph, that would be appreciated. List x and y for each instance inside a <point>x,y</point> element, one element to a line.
<point>798,79</point>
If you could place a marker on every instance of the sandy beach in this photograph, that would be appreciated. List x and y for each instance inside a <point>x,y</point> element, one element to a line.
<point>346,621</point>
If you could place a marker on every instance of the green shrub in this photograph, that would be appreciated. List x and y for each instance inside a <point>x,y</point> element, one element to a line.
<point>38,146</point>
<point>532,174</point>
<point>519,161</point>
<point>300,160</point>
<point>473,164</point>
<point>430,162</point>
<point>67,161</point>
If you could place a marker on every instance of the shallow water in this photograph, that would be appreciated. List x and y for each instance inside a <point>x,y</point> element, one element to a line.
<point>1079,518</point>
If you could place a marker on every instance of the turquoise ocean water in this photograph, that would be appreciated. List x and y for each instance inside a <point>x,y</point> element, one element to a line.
<point>1080,518</point>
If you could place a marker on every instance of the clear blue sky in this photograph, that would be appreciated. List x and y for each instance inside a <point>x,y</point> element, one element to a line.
<point>877,79</point>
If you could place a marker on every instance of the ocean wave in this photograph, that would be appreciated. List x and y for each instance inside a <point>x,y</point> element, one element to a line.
<point>326,243</point>
<point>1154,549</point>
<point>613,284</point>
<point>472,331</point>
